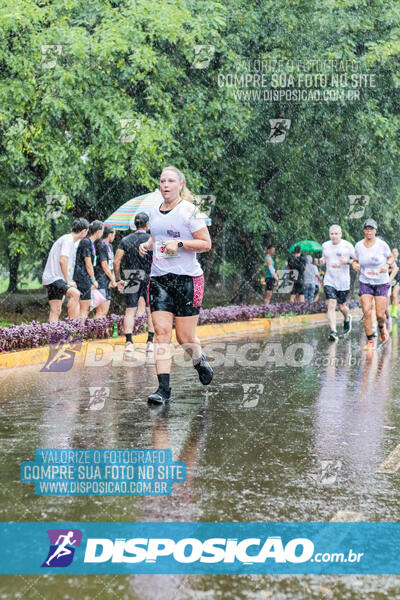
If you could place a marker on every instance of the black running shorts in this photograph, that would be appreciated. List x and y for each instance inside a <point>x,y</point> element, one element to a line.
<point>57,289</point>
<point>298,287</point>
<point>269,283</point>
<point>132,300</point>
<point>180,295</point>
<point>86,292</point>
<point>332,294</point>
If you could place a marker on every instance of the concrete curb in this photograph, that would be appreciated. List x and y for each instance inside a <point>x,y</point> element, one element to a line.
<point>35,356</point>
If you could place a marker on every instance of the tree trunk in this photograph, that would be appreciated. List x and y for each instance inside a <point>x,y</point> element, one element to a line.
<point>13,265</point>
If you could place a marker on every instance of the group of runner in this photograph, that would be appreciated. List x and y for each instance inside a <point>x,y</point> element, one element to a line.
<point>160,270</point>
<point>78,263</point>
<point>378,268</point>
<point>379,280</point>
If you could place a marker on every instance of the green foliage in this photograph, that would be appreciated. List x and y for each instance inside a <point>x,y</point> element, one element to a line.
<point>60,125</point>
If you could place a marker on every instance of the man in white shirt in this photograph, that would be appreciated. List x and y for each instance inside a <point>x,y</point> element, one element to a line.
<point>58,272</point>
<point>338,255</point>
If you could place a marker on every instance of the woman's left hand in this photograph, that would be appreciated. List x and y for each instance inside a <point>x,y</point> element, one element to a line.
<point>384,269</point>
<point>171,247</point>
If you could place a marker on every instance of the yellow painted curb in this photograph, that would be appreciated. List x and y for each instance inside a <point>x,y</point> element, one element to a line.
<point>34,356</point>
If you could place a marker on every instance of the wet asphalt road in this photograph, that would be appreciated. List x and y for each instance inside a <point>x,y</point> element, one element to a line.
<point>293,428</point>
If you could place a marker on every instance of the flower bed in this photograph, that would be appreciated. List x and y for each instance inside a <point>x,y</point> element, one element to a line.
<point>33,335</point>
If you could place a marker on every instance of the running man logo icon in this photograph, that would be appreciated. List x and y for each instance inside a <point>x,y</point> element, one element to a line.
<point>357,207</point>
<point>208,394</point>
<point>251,394</point>
<point>50,54</point>
<point>329,471</point>
<point>279,129</point>
<point>286,279</point>
<point>98,396</point>
<point>128,130</point>
<point>55,204</point>
<point>61,551</point>
<point>203,206</point>
<point>133,278</point>
<point>203,55</point>
<point>61,357</point>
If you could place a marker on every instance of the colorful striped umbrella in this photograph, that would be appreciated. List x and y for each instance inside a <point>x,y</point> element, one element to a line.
<point>123,217</point>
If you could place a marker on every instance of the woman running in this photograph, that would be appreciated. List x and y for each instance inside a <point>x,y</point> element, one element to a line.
<point>104,270</point>
<point>373,259</point>
<point>176,279</point>
<point>86,260</point>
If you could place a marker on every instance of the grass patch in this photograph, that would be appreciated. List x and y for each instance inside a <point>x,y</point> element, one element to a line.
<point>4,323</point>
<point>23,285</point>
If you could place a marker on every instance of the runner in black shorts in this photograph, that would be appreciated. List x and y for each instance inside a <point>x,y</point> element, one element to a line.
<point>103,270</point>
<point>136,270</point>
<point>85,263</point>
<point>59,269</point>
<point>337,255</point>
<point>176,286</point>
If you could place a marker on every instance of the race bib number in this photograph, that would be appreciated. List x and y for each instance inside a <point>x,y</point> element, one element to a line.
<point>336,265</point>
<point>372,273</point>
<point>160,251</point>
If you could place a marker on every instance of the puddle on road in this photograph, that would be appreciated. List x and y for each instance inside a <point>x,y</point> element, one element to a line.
<point>293,428</point>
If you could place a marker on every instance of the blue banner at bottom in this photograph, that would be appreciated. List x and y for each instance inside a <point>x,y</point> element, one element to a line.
<point>200,548</point>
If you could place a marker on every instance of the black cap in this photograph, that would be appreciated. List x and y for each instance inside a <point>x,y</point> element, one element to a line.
<point>141,219</point>
<point>370,223</point>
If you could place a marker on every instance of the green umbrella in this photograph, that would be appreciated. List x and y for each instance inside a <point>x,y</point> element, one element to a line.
<point>307,246</point>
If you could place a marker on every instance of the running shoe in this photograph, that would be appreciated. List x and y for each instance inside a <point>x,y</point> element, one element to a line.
<point>160,396</point>
<point>150,347</point>
<point>369,345</point>
<point>383,334</point>
<point>129,347</point>
<point>333,336</point>
<point>204,370</point>
<point>347,325</point>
